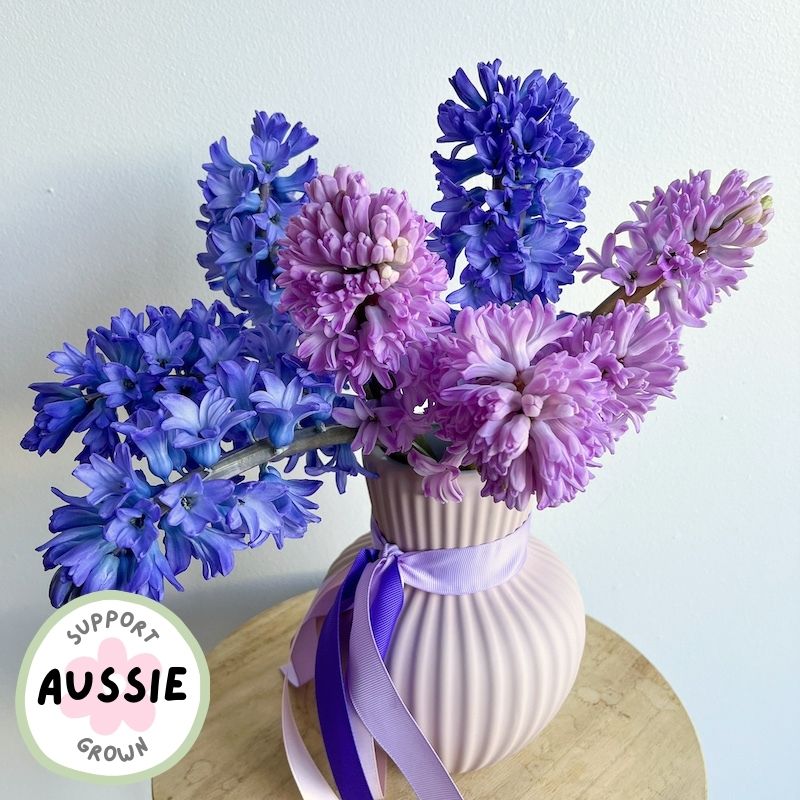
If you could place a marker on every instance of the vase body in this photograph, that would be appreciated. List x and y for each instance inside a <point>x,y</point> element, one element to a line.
<point>481,673</point>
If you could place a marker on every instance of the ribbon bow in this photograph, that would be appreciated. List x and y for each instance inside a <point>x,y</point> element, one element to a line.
<point>358,704</point>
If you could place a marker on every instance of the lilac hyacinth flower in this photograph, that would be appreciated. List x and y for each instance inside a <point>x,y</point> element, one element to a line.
<point>638,356</point>
<point>194,503</point>
<point>200,428</point>
<point>440,478</point>
<point>359,280</point>
<point>282,406</point>
<point>112,481</point>
<point>390,422</point>
<point>689,244</point>
<point>363,417</point>
<point>134,527</point>
<point>530,420</point>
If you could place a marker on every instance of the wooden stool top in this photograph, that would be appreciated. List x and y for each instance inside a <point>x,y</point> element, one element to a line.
<point>621,735</point>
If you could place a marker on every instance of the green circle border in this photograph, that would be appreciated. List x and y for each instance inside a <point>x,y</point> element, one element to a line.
<point>24,673</point>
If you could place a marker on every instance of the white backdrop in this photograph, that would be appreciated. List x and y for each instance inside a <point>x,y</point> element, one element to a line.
<point>686,543</point>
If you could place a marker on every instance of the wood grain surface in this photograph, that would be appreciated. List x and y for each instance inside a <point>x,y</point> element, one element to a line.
<point>621,735</point>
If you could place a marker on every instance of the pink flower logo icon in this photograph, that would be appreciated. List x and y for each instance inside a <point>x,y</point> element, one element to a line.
<point>106,717</point>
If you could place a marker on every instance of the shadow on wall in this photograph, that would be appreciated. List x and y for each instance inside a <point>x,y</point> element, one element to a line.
<point>214,610</point>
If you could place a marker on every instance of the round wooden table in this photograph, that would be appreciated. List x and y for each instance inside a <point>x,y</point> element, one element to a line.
<point>621,735</point>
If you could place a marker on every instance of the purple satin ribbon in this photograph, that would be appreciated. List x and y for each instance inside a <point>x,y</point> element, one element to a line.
<point>357,702</point>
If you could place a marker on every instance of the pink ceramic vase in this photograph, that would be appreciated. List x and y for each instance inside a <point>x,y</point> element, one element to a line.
<point>481,673</point>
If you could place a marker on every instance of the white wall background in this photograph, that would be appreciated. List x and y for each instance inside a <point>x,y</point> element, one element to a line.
<point>687,542</point>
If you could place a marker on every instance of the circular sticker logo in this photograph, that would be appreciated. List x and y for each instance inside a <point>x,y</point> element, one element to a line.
<point>113,689</point>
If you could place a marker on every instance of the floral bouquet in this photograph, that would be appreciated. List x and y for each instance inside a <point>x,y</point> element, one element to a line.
<point>347,337</point>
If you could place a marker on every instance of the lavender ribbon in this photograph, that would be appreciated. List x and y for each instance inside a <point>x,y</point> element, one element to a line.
<point>357,702</point>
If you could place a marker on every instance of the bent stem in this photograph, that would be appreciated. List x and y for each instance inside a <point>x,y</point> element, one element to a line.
<point>639,294</point>
<point>263,451</point>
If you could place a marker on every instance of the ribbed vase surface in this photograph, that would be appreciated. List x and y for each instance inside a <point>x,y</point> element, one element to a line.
<point>481,673</point>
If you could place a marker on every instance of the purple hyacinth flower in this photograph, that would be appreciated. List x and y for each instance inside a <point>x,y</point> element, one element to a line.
<point>510,202</point>
<point>68,361</point>
<point>266,341</point>
<point>270,156</point>
<point>112,481</point>
<point>214,548</point>
<point>62,589</point>
<point>271,149</point>
<point>342,462</point>
<point>222,162</point>
<point>232,193</point>
<point>286,186</point>
<point>200,428</point>
<point>237,381</point>
<point>194,503</point>
<point>119,343</point>
<point>240,244</point>
<point>152,568</point>
<point>163,353</point>
<point>559,195</point>
<point>281,407</point>
<point>519,132</point>
<point>134,527</point>
<point>292,503</point>
<point>218,347</point>
<point>59,410</point>
<point>86,560</point>
<point>254,511</point>
<point>275,216</point>
<point>121,387</point>
<point>144,428</point>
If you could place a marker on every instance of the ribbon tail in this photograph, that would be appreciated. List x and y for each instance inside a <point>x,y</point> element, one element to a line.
<point>371,758</point>
<point>300,669</point>
<point>310,782</point>
<point>382,710</point>
<point>308,778</point>
<point>303,649</point>
<point>331,693</point>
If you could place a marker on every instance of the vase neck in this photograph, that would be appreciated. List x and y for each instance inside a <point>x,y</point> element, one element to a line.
<point>414,522</point>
